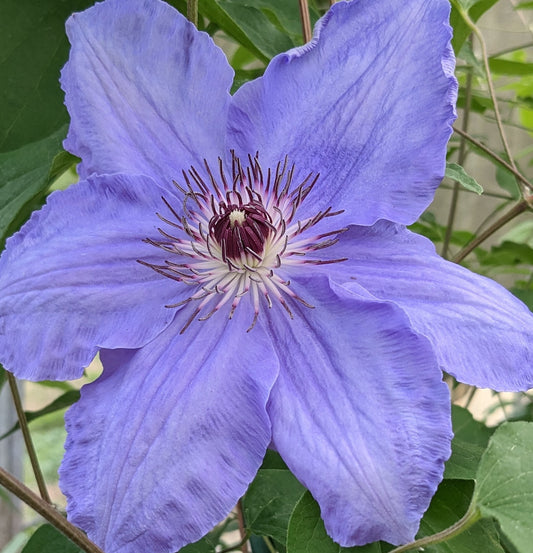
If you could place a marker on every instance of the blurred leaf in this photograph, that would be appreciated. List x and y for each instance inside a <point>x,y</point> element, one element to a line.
<point>508,67</point>
<point>507,254</point>
<point>63,401</point>
<point>269,502</point>
<point>507,181</point>
<point>448,505</point>
<point>286,15</point>
<point>47,539</point>
<point>504,488</point>
<point>475,9</point>
<point>248,25</point>
<point>33,48</point>
<point>468,445</point>
<point>24,179</point>
<point>458,174</point>
<point>524,6</point>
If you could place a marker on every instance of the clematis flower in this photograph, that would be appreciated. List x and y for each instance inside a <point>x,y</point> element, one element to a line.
<point>242,265</point>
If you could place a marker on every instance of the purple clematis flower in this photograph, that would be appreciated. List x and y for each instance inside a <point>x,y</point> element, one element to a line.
<point>242,265</point>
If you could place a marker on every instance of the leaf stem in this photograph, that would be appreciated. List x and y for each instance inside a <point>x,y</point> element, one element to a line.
<point>471,516</point>
<point>498,224</point>
<point>496,157</point>
<point>460,160</point>
<point>23,423</point>
<point>192,12</point>
<point>306,20</point>
<point>54,517</point>
<point>242,527</point>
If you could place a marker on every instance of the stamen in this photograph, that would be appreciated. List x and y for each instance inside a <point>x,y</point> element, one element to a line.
<point>232,237</point>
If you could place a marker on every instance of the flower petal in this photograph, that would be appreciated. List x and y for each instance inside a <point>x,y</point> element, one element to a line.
<point>177,432</point>
<point>144,89</point>
<point>70,282</point>
<point>359,413</point>
<point>368,104</point>
<point>480,332</point>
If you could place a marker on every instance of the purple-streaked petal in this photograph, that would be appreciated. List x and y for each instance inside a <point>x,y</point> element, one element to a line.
<point>165,442</point>
<point>70,282</point>
<point>359,412</point>
<point>147,93</point>
<point>480,332</point>
<point>368,104</point>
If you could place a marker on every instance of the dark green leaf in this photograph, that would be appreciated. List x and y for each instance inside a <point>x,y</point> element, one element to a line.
<point>269,502</point>
<point>458,174</point>
<point>63,401</point>
<point>248,25</point>
<point>524,295</point>
<point>24,179</point>
<point>47,539</point>
<point>33,48</point>
<point>504,488</point>
<point>469,442</point>
<point>201,546</point>
<point>273,460</point>
<point>448,505</point>
<point>3,377</point>
<point>307,534</point>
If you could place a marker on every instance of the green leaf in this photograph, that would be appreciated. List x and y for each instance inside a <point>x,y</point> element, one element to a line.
<point>269,502</point>
<point>524,6</point>
<point>248,25</point>
<point>307,533</point>
<point>468,445</point>
<point>508,67</point>
<point>201,546</point>
<point>24,179</point>
<point>504,488</point>
<point>448,505</point>
<point>47,539</point>
<point>63,401</point>
<point>475,9</point>
<point>458,174</point>
<point>33,48</point>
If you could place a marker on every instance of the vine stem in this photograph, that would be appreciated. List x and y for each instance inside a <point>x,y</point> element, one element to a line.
<point>519,208</point>
<point>192,12</point>
<point>23,423</point>
<point>49,512</point>
<point>471,516</point>
<point>306,20</point>
<point>475,29</point>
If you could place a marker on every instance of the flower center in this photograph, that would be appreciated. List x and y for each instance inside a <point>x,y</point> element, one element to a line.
<point>240,229</point>
<point>240,238</point>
